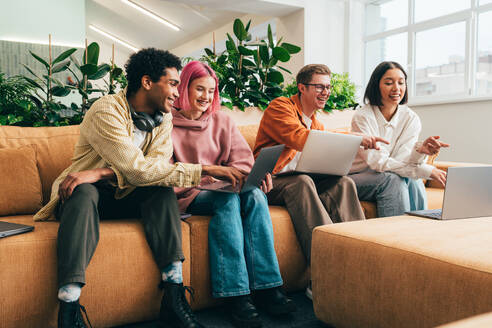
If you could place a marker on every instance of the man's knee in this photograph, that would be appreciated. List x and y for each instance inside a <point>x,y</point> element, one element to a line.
<point>393,183</point>
<point>226,200</point>
<point>303,182</point>
<point>346,182</point>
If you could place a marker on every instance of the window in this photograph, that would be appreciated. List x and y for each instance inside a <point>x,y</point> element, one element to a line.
<point>445,45</point>
<point>425,9</point>
<point>483,80</point>
<point>439,63</point>
<point>394,47</point>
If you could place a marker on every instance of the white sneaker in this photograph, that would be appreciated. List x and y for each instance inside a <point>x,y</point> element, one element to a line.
<point>309,292</point>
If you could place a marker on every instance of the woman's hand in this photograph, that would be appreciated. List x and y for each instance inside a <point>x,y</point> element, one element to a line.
<point>431,146</point>
<point>370,142</point>
<point>267,183</point>
<point>439,176</point>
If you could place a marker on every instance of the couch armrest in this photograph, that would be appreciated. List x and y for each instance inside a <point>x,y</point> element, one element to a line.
<point>444,165</point>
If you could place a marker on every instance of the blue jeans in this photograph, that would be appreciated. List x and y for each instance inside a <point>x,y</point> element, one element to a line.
<point>393,194</point>
<point>240,239</point>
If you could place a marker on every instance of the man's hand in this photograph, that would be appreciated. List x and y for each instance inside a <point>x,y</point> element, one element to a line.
<point>76,178</point>
<point>235,176</point>
<point>439,176</point>
<point>267,183</point>
<point>370,142</point>
<point>431,146</point>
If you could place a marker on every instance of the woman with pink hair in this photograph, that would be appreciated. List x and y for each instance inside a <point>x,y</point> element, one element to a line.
<point>240,235</point>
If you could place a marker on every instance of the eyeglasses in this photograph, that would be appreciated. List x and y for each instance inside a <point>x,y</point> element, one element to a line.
<point>320,87</point>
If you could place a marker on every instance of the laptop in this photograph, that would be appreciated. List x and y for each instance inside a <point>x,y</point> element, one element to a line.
<point>467,194</point>
<point>9,229</point>
<point>327,153</point>
<point>265,163</point>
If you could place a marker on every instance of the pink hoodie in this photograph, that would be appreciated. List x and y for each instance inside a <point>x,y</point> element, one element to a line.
<point>213,139</point>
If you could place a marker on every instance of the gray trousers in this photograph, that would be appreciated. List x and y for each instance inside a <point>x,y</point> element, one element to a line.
<point>79,217</point>
<point>314,200</point>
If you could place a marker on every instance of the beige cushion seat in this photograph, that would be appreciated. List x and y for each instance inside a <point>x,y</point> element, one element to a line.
<point>402,271</point>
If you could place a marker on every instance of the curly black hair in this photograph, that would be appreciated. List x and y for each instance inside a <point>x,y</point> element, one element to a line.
<point>150,61</point>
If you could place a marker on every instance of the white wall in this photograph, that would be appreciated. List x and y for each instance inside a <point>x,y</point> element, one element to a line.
<point>205,40</point>
<point>466,126</point>
<point>291,28</point>
<point>324,38</point>
<point>32,21</point>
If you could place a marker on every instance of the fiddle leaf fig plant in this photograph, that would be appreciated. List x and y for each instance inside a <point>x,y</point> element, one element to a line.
<point>248,71</point>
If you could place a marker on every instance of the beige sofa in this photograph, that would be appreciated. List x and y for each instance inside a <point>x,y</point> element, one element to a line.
<point>122,277</point>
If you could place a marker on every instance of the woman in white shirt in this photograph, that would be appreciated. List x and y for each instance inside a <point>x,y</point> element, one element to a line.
<point>392,176</point>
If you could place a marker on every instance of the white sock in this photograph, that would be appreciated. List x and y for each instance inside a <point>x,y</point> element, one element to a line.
<point>173,272</point>
<point>69,292</point>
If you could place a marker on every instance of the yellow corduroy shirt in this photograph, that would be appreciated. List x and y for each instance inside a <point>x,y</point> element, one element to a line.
<point>106,141</point>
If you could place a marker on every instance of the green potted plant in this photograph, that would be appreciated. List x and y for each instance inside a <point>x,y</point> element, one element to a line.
<point>248,72</point>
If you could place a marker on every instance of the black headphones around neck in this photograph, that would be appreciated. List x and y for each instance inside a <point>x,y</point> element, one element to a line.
<point>146,122</point>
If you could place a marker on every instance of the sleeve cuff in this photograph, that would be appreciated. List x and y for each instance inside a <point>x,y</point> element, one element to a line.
<point>415,156</point>
<point>424,171</point>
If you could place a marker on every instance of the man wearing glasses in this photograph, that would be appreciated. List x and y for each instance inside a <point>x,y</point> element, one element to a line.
<point>311,200</point>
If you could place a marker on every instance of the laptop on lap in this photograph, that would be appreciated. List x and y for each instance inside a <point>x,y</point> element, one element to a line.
<point>467,194</point>
<point>327,153</point>
<point>10,229</point>
<point>265,163</point>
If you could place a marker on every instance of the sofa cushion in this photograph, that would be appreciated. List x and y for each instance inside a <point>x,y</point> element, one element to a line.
<point>54,147</point>
<point>122,277</point>
<point>20,186</point>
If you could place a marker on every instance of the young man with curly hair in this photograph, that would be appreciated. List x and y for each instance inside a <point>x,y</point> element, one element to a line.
<point>121,169</point>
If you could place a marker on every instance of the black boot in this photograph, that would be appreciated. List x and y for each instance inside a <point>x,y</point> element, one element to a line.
<point>69,315</point>
<point>243,312</point>
<point>274,301</point>
<point>175,310</point>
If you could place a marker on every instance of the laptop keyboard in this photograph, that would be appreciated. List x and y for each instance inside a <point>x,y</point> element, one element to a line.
<point>435,214</point>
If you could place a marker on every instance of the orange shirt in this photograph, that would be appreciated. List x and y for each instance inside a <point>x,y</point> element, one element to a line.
<point>282,123</point>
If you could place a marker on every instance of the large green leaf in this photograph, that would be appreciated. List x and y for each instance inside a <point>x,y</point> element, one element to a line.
<point>88,69</point>
<point>33,83</point>
<point>281,54</point>
<point>60,67</point>
<point>209,52</point>
<point>239,30</point>
<point>60,91</point>
<point>248,25</point>
<point>284,69</point>
<point>39,59</point>
<point>249,63</point>
<point>265,57</point>
<point>270,37</point>
<point>292,49</point>
<point>92,54</point>
<point>64,55</point>
<point>275,76</point>
<point>232,44</point>
<point>245,51</point>
<point>31,71</point>
<point>101,72</point>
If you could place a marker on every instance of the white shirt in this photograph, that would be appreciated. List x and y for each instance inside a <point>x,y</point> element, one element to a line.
<point>291,166</point>
<point>138,137</point>
<point>402,131</point>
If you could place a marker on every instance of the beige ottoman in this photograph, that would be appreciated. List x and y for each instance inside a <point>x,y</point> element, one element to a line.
<point>402,271</point>
<point>479,321</point>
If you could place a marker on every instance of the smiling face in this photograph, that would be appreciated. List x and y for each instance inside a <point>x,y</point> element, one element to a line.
<point>313,98</point>
<point>164,92</point>
<point>392,87</point>
<point>201,94</point>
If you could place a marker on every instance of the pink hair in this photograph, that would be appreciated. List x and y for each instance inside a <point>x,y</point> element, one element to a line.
<point>194,70</point>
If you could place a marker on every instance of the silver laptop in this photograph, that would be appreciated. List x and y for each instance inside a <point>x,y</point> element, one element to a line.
<point>327,153</point>
<point>467,194</point>
<point>265,163</point>
<point>9,228</point>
